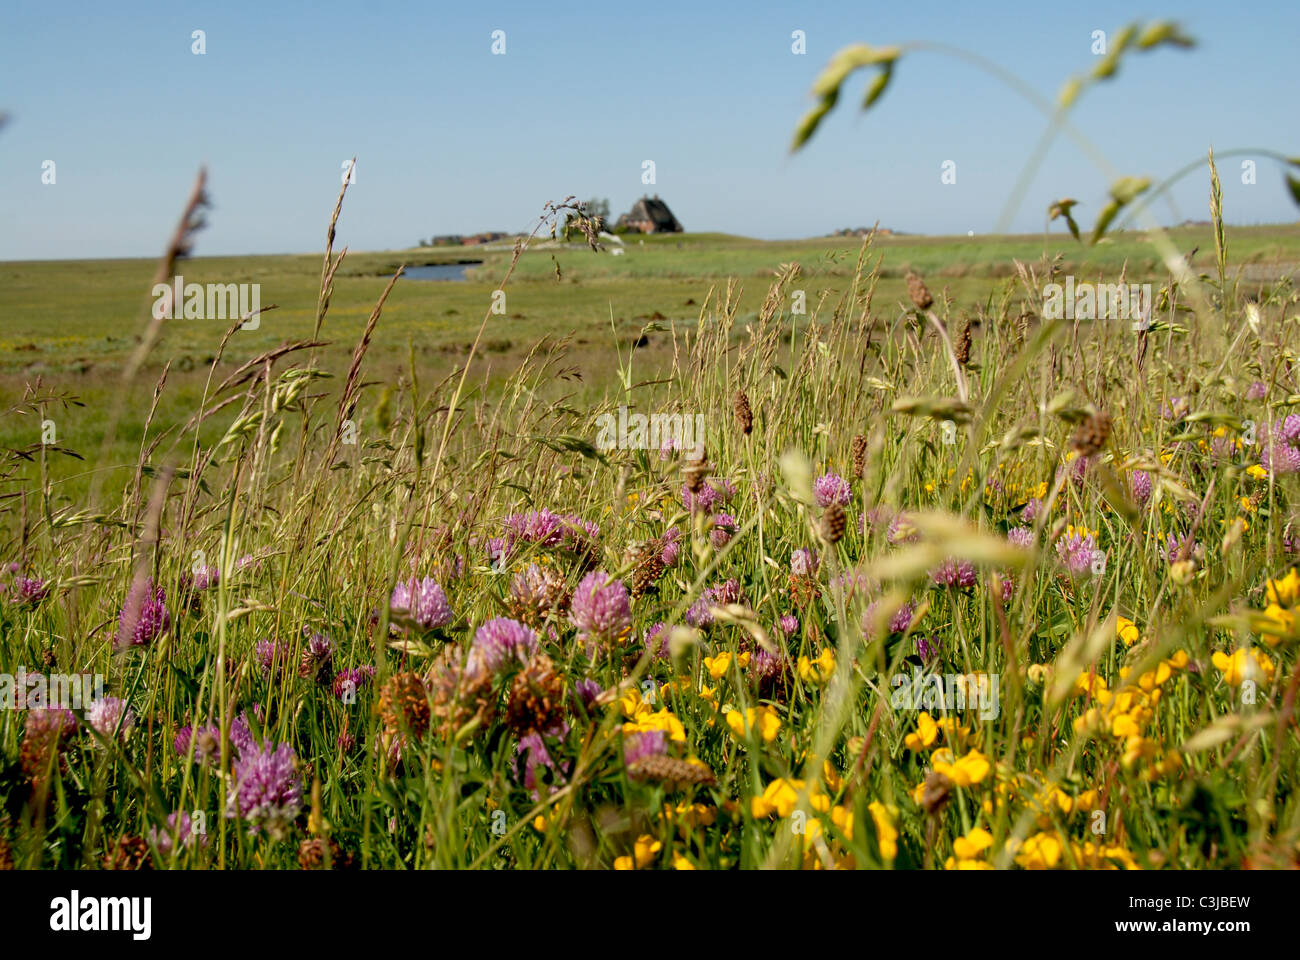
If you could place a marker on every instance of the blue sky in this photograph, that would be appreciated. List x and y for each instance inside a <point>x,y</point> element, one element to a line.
<point>452,139</point>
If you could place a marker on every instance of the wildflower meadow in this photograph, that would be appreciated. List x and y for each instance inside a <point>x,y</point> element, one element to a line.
<point>839,570</point>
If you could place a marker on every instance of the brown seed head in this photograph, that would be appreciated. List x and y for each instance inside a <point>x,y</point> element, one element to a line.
<point>834,522</point>
<point>744,415</point>
<point>668,769</point>
<point>917,290</point>
<point>935,793</point>
<point>859,454</point>
<point>1092,434</point>
<point>694,473</point>
<point>963,344</point>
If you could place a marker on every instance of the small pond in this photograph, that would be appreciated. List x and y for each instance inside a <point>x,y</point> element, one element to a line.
<point>439,271</point>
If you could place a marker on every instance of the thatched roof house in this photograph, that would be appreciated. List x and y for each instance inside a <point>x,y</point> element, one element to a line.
<point>649,215</point>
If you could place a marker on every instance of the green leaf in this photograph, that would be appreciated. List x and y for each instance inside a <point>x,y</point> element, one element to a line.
<point>1069,93</point>
<point>1126,189</point>
<point>1110,63</point>
<point>878,85</point>
<point>811,120</point>
<point>826,88</point>
<point>1293,185</point>
<point>1122,192</point>
<point>1062,208</point>
<point>1161,32</point>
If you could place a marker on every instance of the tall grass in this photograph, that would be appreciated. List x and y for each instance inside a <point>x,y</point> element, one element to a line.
<point>1100,517</point>
<point>330,527</point>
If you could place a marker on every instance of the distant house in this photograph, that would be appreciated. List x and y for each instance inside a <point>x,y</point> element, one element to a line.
<point>862,232</point>
<point>649,215</point>
<point>491,236</point>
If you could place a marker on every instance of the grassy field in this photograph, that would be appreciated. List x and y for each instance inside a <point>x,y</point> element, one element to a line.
<point>384,602</point>
<point>73,324</point>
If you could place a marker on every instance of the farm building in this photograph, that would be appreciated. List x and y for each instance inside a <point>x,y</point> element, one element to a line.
<point>649,215</point>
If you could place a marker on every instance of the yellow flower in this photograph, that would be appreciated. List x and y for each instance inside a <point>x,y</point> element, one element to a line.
<point>886,832</point>
<point>833,780</point>
<point>768,723</point>
<point>1042,851</point>
<point>646,849</point>
<point>632,703</point>
<point>644,852</point>
<point>1255,471</point>
<point>1166,765</point>
<point>1274,623</point>
<point>1093,685</point>
<point>926,732</point>
<point>1096,857</point>
<point>691,815</point>
<point>952,863</point>
<point>1071,530</point>
<point>718,666</point>
<point>819,670</point>
<point>780,798</point>
<point>1126,630</point>
<point>1124,726</point>
<point>659,720</point>
<point>1153,679</point>
<point>681,863</point>
<point>1286,590</point>
<point>1139,748</point>
<point>968,771</point>
<point>1243,665</point>
<point>842,817</point>
<point>973,844</point>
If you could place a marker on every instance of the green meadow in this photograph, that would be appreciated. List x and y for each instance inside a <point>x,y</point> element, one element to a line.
<point>373,598</point>
<point>73,324</point>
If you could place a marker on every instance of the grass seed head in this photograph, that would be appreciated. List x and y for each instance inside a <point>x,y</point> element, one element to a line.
<point>744,414</point>
<point>917,290</point>
<point>834,522</point>
<point>963,344</point>
<point>859,454</point>
<point>1092,434</point>
<point>935,793</point>
<point>671,770</point>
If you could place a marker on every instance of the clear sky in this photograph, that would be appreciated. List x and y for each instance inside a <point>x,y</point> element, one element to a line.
<point>451,138</point>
